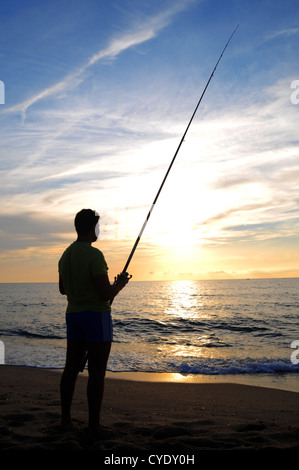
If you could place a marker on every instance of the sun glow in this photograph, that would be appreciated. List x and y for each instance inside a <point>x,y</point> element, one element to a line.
<point>174,225</point>
<point>181,237</point>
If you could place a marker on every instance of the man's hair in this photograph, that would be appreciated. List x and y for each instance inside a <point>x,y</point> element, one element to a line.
<point>85,220</point>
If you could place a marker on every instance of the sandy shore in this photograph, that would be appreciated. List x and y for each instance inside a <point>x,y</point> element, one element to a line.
<point>160,418</point>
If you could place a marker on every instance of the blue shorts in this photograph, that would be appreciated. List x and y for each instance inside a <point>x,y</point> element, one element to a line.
<point>90,327</point>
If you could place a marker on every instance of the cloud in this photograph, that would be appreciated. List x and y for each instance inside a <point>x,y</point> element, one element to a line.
<point>234,210</point>
<point>246,159</point>
<point>30,229</point>
<point>139,34</point>
<point>282,32</point>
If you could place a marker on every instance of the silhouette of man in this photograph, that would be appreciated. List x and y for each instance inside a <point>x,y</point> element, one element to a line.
<point>84,280</point>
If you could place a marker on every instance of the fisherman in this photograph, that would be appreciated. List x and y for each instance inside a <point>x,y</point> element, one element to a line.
<point>83,278</point>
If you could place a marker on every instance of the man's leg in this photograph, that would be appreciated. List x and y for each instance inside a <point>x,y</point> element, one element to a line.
<point>98,355</point>
<point>74,357</point>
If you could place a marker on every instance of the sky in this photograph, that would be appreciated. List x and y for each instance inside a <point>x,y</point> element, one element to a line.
<point>94,99</point>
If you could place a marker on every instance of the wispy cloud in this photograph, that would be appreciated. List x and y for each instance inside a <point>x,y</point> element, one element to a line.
<point>283,32</point>
<point>140,33</point>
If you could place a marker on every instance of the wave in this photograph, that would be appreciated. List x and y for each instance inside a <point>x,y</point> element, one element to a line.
<point>234,367</point>
<point>29,334</point>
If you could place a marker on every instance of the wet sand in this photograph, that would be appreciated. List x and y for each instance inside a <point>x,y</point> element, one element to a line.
<point>147,417</point>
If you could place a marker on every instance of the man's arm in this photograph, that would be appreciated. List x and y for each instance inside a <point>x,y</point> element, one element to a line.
<point>105,290</point>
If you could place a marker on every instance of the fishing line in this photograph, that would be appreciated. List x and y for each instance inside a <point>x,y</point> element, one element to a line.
<point>124,271</point>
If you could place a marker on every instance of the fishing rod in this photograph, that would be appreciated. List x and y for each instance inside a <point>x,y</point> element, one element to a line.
<point>124,271</point>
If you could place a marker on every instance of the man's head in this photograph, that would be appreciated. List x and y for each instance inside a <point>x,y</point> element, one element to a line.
<point>85,222</point>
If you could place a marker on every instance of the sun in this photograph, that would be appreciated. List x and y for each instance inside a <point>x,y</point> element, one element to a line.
<point>175,232</point>
<point>179,237</point>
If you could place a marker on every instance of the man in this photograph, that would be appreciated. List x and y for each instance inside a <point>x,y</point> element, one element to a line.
<point>84,280</point>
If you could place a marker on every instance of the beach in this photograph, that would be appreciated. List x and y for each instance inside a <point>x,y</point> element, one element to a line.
<point>156,418</point>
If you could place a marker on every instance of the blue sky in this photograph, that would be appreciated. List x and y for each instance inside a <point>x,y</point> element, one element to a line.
<point>97,97</point>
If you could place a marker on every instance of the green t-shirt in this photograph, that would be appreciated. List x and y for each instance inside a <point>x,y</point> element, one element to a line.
<point>77,266</point>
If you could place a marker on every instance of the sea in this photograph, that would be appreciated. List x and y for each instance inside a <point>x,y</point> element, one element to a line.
<point>243,331</point>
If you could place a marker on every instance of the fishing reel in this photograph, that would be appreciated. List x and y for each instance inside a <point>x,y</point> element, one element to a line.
<point>122,278</point>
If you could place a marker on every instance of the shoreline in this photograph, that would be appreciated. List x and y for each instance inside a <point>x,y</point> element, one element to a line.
<point>144,416</point>
<point>281,381</point>
<point>259,380</point>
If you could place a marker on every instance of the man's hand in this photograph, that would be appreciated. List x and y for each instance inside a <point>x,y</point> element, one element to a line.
<point>122,279</point>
